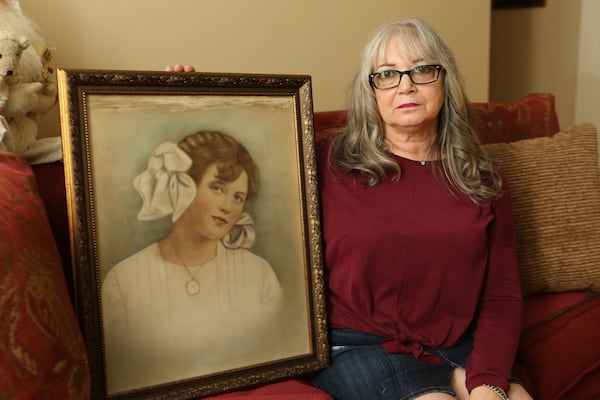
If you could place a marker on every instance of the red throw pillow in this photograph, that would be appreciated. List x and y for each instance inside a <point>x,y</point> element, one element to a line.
<point>528,117</point>
<point>42,353</point>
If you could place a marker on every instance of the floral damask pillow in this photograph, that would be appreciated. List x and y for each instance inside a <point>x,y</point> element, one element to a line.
<point>528,117</point>
<point>42,353</point>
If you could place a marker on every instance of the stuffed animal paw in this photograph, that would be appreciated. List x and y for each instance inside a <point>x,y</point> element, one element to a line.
<point>22,99</point>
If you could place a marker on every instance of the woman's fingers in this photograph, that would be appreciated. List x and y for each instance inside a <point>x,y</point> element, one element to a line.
<point>180,68</point>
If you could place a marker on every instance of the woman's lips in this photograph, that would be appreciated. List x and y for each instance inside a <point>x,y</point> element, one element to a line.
<point>407,105</point>
<point>219,221</point>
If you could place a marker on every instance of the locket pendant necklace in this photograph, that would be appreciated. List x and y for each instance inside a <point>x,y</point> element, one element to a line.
<point>192,287</point>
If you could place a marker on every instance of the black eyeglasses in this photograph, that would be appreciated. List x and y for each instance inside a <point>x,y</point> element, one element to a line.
<point>419,75</point>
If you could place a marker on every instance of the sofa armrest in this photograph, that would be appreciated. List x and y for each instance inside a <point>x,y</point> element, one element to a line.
<point>51,187</point>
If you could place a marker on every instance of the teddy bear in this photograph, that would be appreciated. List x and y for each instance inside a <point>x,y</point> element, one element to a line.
<point>11,49</point>
<point>27,84</point>
<point>17,98</point>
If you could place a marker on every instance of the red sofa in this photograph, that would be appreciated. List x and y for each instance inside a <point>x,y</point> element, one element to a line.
<point>559,354</point>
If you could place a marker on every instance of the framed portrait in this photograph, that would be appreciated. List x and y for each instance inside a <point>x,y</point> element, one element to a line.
<point>195,231</point>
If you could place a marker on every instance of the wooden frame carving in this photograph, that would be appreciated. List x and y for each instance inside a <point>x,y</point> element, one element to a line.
<point>112,122</point>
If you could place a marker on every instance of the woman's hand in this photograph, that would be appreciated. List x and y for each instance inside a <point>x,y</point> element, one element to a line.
<point>516,392</point>
<point>483,393</point>
<point>180,68</point>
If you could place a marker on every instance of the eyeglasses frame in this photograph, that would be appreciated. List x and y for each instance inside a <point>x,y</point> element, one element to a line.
<point>439,68</point>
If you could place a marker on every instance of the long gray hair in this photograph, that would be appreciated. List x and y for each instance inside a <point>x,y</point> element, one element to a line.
<point>361,148</point>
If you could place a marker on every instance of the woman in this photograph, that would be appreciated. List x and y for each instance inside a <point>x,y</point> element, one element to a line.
<point>424,299</point>
<point>423,285</point>
<point>197,301</point>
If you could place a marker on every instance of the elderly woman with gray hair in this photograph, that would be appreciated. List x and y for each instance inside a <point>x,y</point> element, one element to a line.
<point>420,243</point>
<point>423,291</point>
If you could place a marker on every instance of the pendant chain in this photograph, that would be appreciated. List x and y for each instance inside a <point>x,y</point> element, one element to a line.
<point>192,286</point>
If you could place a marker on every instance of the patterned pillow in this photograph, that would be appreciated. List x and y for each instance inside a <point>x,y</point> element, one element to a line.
<point>531,116</point>
<point>42,353</point>
<point>555,188</point>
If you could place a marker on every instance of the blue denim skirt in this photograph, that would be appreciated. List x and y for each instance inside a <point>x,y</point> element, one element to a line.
<point>361,369</point>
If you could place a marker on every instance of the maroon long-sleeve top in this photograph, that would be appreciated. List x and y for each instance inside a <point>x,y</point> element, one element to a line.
<point>409,261</point>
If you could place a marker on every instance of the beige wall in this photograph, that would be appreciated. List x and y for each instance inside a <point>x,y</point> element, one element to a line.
<point>587,106</point>
<point>321,38</point>
<point>536,50</point>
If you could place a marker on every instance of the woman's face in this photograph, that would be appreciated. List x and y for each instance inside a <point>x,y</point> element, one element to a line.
<point>217,206</point>
<point>408,107</point>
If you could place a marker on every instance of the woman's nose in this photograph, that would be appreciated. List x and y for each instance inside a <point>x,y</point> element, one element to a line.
<point>406,85</point>
<point>226,205</point>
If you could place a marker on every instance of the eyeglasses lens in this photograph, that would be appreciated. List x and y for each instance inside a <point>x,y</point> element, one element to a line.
<point>419,75</point>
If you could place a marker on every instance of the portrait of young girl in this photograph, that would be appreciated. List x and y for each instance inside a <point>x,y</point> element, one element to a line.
<point>198,300</point>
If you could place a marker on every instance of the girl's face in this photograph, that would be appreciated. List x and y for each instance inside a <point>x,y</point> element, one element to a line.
<point>217,206</point>
<point>407,107</point>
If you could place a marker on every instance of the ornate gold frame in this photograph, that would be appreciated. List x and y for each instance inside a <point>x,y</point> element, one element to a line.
<point>100,116</point>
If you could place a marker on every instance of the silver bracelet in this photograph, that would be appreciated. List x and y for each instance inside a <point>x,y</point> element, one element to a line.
<point>498,390</point>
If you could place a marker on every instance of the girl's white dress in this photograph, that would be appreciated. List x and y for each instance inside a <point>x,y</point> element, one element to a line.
<point>155,332</point>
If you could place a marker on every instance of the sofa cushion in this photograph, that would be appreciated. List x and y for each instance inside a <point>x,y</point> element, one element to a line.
<point>42,353</point>
<point>297,389</point>
<point>555,187</point>
<point>560,355</point>
<point>51,187</point>
<point>531,116</point>
<point>542,307</point>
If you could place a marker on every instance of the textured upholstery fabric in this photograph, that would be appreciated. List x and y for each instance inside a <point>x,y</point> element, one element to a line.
<point>42,354</point>
<point>561,354</point>
<point>51,183</point>
<point>556,204</point>
<point>531,116</point>
<point>544,306</point>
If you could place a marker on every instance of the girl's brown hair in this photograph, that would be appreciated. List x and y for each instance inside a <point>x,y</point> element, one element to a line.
<point>231,157</point>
